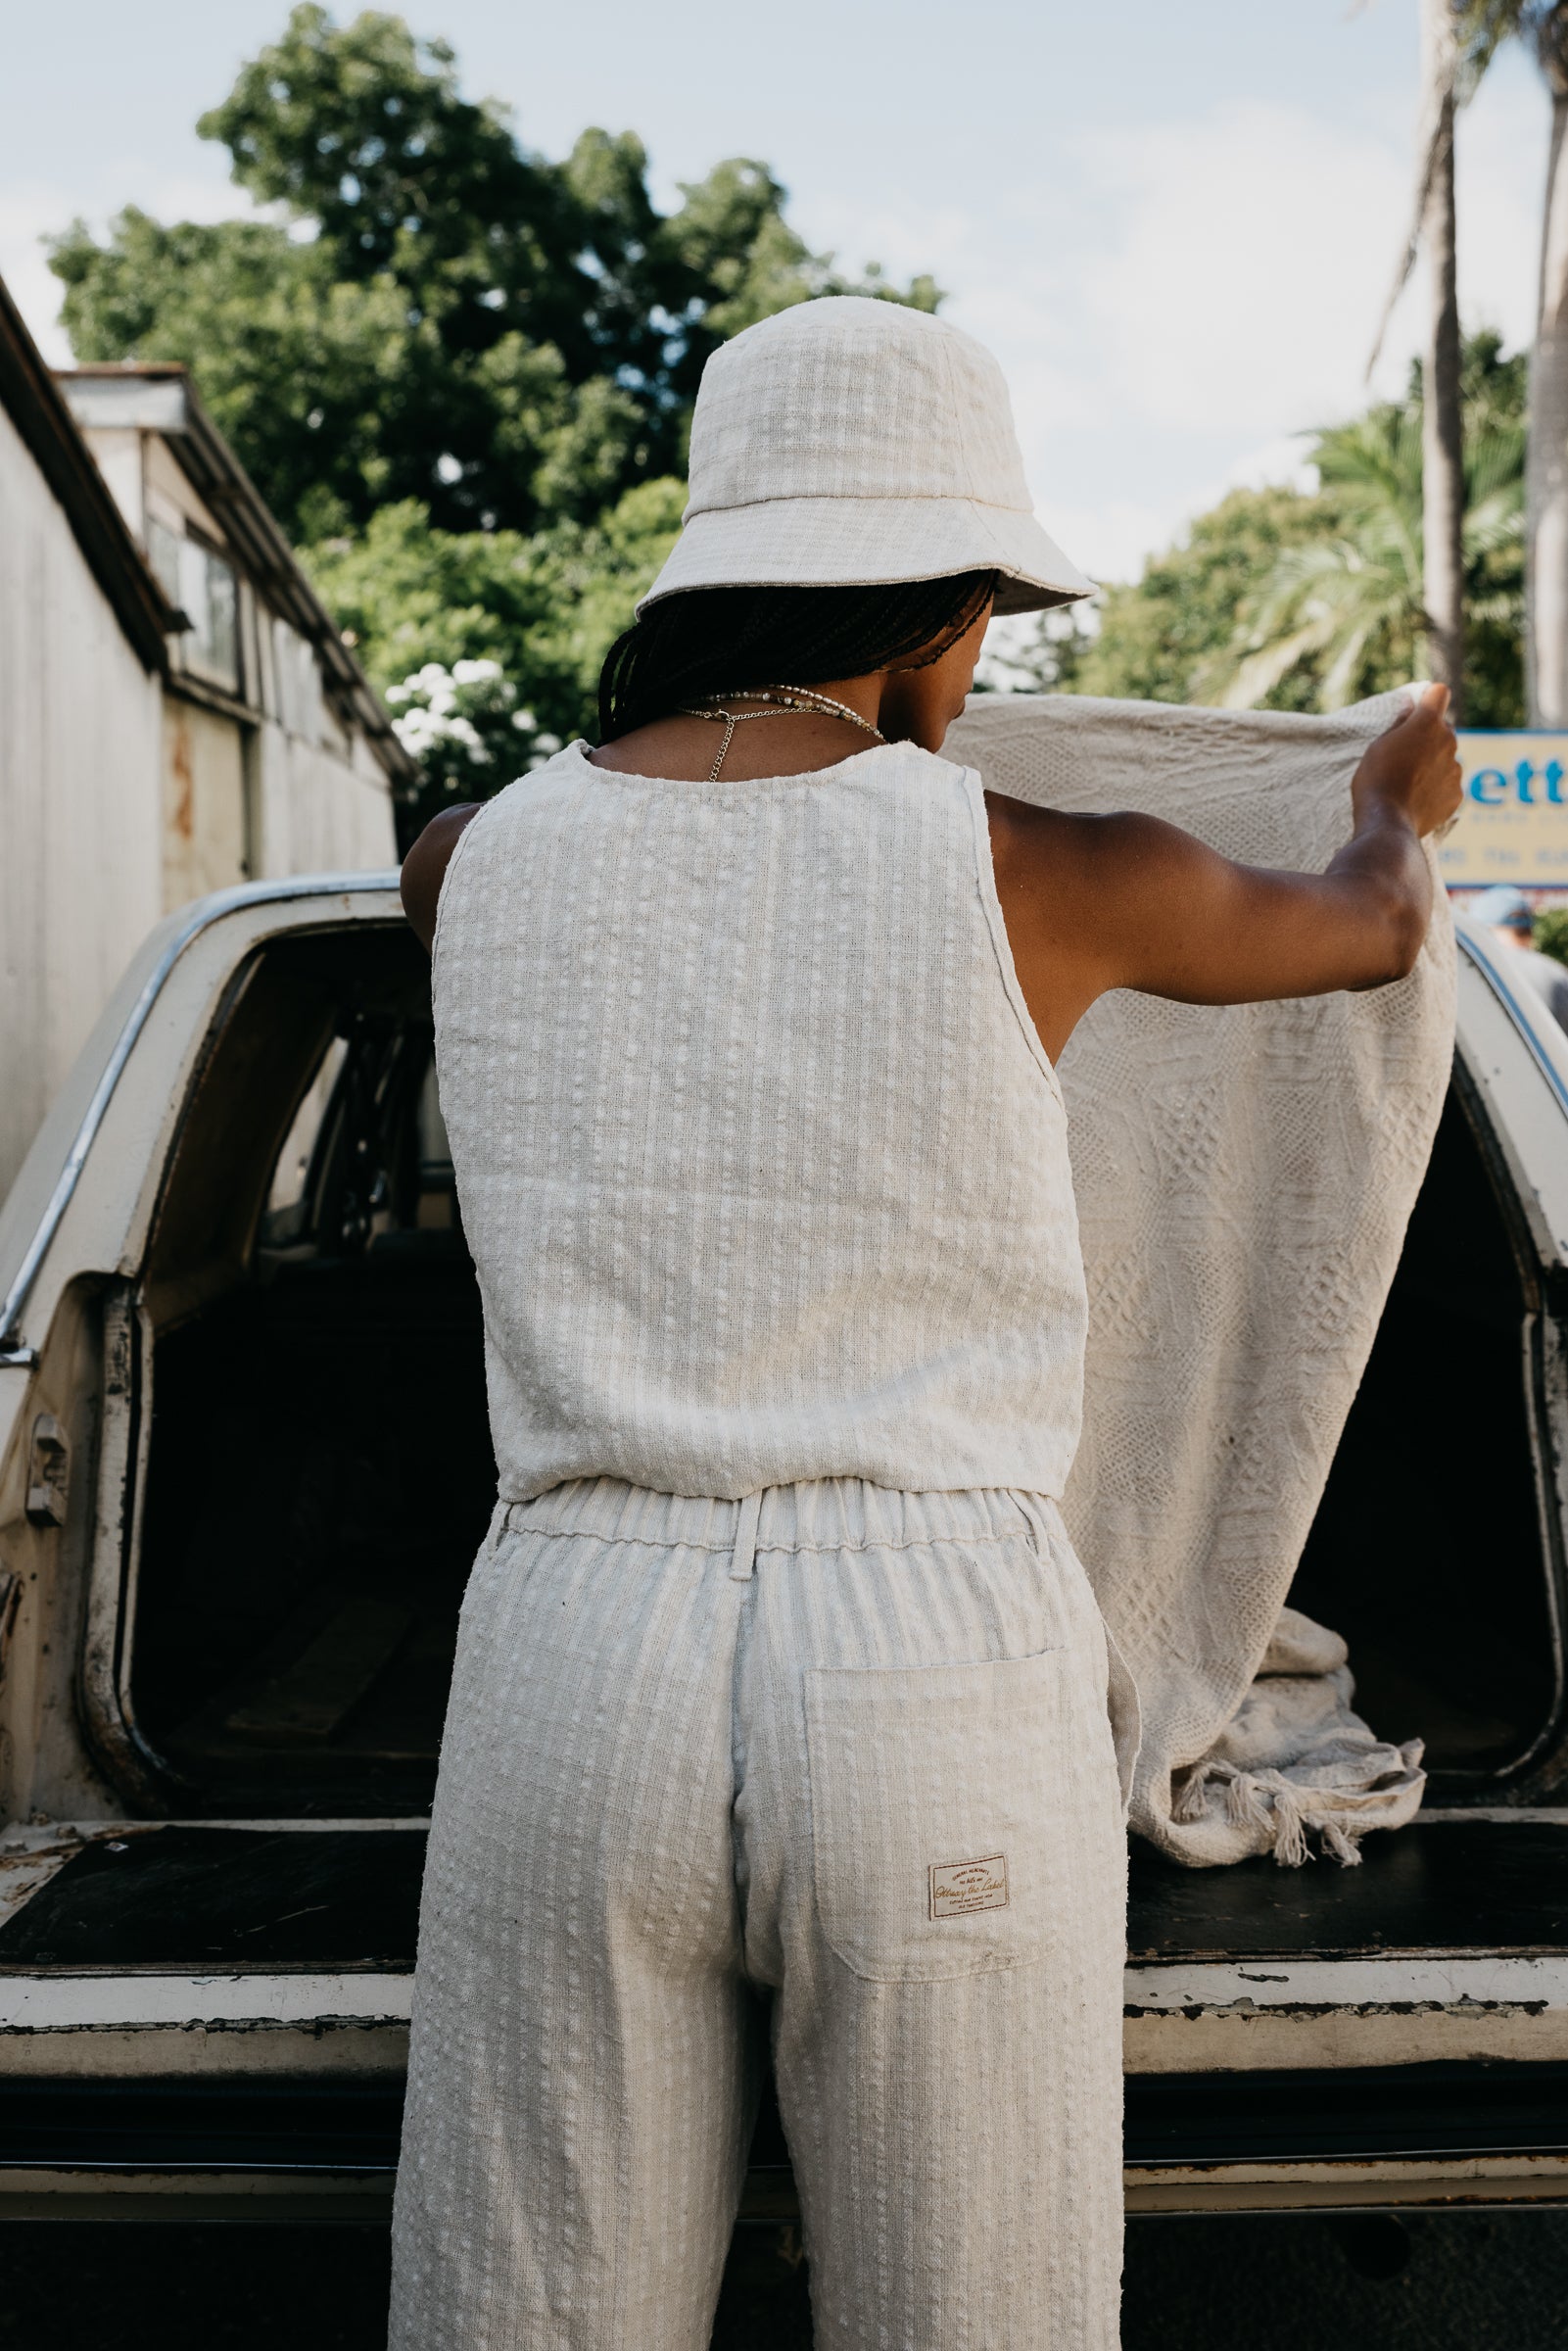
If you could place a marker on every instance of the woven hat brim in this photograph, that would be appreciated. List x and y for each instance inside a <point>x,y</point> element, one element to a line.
<point>870,543</point>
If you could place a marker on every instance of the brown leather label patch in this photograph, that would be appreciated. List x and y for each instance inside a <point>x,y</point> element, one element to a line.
<point>960,1887</point>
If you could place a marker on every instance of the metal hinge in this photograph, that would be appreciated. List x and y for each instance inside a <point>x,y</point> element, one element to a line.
<point>48,1470</point>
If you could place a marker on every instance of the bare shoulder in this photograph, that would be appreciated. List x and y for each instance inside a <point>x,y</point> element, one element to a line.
<point>424,869</point>
<point>1041,846</point>
<point>1092,902</point>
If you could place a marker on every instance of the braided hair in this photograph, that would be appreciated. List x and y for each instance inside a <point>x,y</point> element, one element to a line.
<point>709,641</point>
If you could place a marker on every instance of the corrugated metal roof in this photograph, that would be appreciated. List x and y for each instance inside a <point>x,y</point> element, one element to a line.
<point>34,401</point>
<point>159,396</point>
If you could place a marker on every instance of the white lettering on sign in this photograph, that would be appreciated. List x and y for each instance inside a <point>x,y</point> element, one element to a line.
<point>1512,824</point>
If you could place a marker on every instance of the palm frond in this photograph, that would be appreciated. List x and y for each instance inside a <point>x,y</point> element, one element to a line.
<point>1339,684</point>
<point>1481,27</point>
<point>1243,683</point>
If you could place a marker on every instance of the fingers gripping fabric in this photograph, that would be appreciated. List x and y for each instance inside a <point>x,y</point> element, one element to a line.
<point>872,1781</point>
<point>1244,1178</point>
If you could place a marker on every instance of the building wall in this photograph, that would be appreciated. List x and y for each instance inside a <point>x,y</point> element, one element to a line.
<point>286,789</point>
<point>317,811</point>
<point>79,798</point>
<point>120,800</point>
<point>204,827</point>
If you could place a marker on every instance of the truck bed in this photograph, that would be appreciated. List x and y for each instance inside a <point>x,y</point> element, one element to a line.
<point>229,2004</point>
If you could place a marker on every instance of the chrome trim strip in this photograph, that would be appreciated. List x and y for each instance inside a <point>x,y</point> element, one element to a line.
<point>1521,1019</point>
<point>201,916</point>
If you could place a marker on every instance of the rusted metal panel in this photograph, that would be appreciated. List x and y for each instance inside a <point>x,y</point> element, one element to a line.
<point>204,819</point>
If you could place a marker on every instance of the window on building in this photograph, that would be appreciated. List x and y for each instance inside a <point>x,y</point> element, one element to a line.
<point>202,584</point>
<point>298,672</point>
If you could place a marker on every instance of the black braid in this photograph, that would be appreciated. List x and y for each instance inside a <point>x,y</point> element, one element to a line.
<point>706,640</point>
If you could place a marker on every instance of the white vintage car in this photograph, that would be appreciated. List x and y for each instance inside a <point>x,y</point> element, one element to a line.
<point>244,1467</point>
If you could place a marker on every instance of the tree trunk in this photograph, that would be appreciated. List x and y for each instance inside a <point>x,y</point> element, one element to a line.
<point>1442,437</point>
<point>1546,458</point>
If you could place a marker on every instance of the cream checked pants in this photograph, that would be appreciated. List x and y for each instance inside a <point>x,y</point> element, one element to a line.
<point>845,1744</point>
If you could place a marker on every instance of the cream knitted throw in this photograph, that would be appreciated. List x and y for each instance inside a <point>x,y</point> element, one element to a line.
<point>1244,1179</point>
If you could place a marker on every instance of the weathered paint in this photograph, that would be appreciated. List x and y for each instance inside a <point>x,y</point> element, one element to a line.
<point>253,2196</point>
<point>1306,2014</point>
<point>79,783</point>
<point>1349,2186</point>
<point>144,2026</point>
<point>205,839</point>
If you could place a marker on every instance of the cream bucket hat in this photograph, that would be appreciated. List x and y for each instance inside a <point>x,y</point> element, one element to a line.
<point>849,443</point>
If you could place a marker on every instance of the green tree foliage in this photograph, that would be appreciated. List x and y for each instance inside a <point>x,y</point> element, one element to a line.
<point>1155,638</point>
<point>447,318</point>
<point>1551,933</point>
<point>1285,601</point>
<point>544,608</point>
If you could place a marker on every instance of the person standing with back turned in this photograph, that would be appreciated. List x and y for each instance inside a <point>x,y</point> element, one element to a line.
<point>781,1705</point>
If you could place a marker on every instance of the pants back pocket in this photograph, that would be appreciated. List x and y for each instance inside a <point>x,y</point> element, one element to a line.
<point>938,1800</point>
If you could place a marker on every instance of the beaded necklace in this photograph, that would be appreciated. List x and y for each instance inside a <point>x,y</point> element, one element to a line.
<point>802,698</point>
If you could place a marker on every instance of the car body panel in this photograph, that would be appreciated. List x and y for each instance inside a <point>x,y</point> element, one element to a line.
<point>1325,2002</point>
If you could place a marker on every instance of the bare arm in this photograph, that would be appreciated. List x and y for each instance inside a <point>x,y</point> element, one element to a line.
<point>424,869</point>
<point>1093,904</point>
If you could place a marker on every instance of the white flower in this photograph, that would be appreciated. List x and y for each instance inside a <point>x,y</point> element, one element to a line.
<point>421,729</point>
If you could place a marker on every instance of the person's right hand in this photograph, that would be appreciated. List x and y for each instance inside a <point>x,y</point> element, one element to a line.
<point>1413,770</point>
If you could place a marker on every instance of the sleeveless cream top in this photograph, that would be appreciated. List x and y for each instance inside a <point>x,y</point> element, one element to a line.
<point>762,1164</point>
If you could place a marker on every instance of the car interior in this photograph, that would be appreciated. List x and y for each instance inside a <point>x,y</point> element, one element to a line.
<point>319,1471</point>
<point>1433,1495</point>
<point>319,1474</point>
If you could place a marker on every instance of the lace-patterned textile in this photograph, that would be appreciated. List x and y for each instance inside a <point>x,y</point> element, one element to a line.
<point>1244,1178</point>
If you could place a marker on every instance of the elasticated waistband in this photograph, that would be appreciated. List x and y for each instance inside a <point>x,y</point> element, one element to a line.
<point>823,1514</point>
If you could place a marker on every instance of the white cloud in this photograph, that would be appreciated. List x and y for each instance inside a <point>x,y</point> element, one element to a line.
<point>26,215</point>
<point>1109,537</point>
<point>1501,179</point>
<point>1186,299</point>
<point>29,211</point>
<point>1281,463</point>
<point>1255,246</point>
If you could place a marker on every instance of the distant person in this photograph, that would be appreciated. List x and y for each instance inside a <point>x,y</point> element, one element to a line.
<point>1507,915</point>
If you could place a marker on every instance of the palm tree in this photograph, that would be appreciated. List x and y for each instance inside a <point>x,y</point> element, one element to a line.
<point>1443,458</point>
<point>1485,25</point>
<point>1480,28</point>
<point>1352,602</point>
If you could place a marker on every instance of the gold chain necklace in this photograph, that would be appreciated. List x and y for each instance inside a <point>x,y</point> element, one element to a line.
<point>777,697</point>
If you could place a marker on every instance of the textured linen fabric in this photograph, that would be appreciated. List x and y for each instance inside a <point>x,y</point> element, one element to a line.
<point>778,1675</point>
<point>1244,1178</point>
<point>846,443</point>
<point>763,1169</point>
<point>870,1775</point>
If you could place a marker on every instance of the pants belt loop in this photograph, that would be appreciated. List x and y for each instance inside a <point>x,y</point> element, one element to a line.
<point>745,1556</point>
<point>1036,1519</point>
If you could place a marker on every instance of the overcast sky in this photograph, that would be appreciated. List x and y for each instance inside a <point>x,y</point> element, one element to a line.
<point>1175,225</point>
